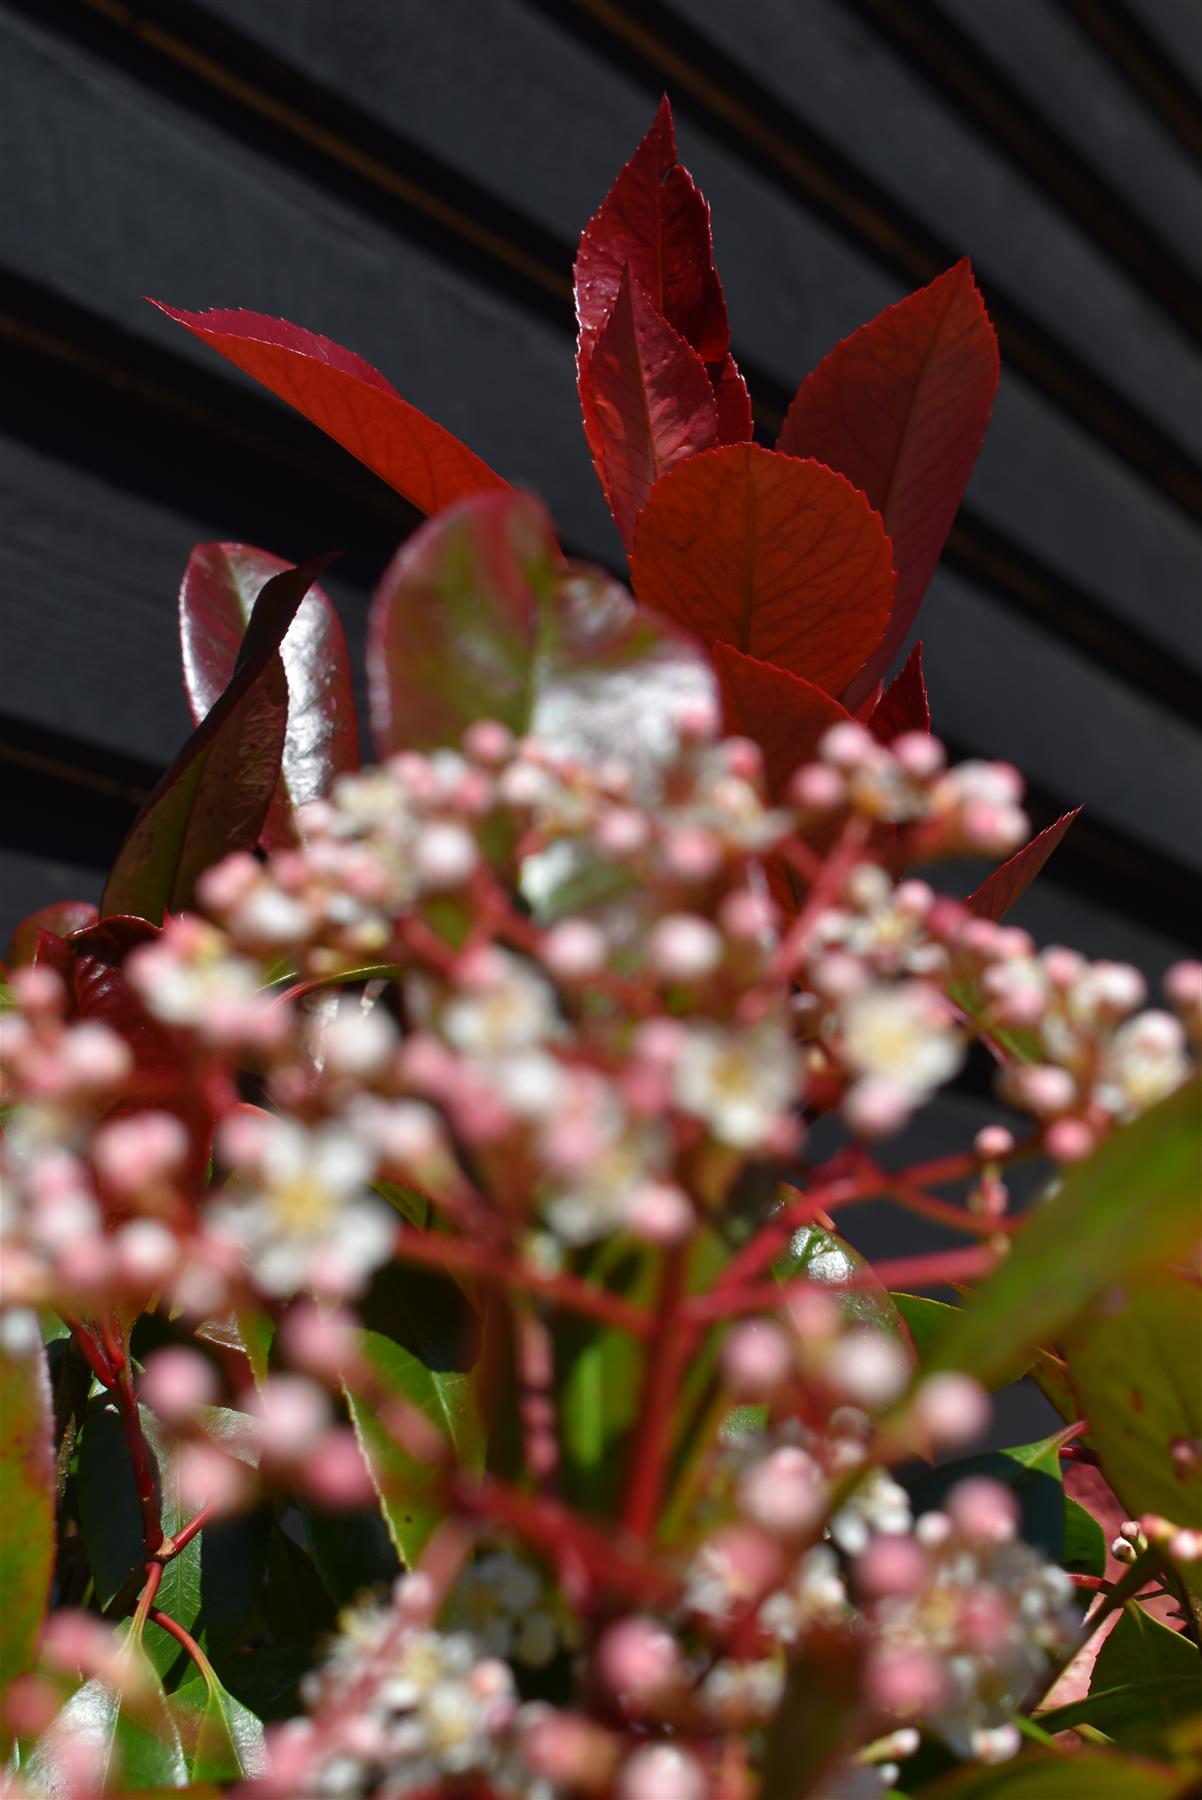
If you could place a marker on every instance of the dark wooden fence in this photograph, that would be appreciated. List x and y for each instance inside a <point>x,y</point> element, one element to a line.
<point>409,176</point>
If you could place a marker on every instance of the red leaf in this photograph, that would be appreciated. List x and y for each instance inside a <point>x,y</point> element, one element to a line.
<point>647,403</point>
<point>900,408</point>
<point>779,558</point>
<point>60,917</point>
<point>998,893</point>
<point>784,715</point>
<point>216,598</point>
<point>214,797</point>
<point>904,705</point>
<point>350,401</point>
<point>733,403</point>
<point>654,220</point>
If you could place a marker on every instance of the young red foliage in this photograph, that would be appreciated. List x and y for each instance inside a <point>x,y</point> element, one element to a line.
<point>904,705</point>
<point>999,891</point>
<point>733,403</point>
<point>779,558</point>
<point>60,918</point>
<point>654,221</point>
<point>784,714</point>
<point>647,403</point>
<point>214,797</point>
<point>900,408</point>
<point>350,401</point>
<point>216,598</point>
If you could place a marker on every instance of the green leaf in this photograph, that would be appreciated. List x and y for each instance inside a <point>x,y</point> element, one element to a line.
<point>294,1604</point>
<point>927,1321</point>
<point>829,1259</point>
<point>27,1491</point>
<point>209,1588</point>
<point>135,1736</point>
<point>480,618</point>
<point>1040,1776</point>
<point>1132,1206</point>
<point>223,1740</point>
<point>410,1490</point>
<point>1084,1540</point>
<point>267,1679</point>
<point>598,1382</point>
<point>214,797</point>
<point>1137,1371</point>
<point>1032,1473</point>
<point>352,1551</point>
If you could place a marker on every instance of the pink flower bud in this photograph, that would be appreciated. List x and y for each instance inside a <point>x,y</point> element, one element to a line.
<point>488,742</point>
<point>661,1772</point>
<point>848,745</point>
<point>444,856</point>
<point>983,1619</point>
<point>920,755</point>
<point>144,1252</point>
<point>660,1213</point>
<point>743,758</point>
<point>208,1477</point>
<point>876,1107</point>
<point>30,1706</point>
<point>993,1142</point>
<point>983,1511</point>
<point>224,886</point>
<point>574,949</point>
<point>1061,966</point>
<point>177,1383</point>
<point>892,1565</point>
<point>639,1661</point>
<point>784,1492</point>
<point>1070,1140</point>
<point>567,1750</point>
<point>815,788</point>
<point>335,1474</point>
<point>906,1684</point>
<point>693,855</point>
<point>620,831</point>
<point>748,917</point>
<point>952,1409</point>
<point>684,947</point>
<point>1047,1090</point>
<point>317,1339</point>
<point>38,989</point>
<point>757,1359</point>
<point>868,1367</point>
<point>293,1414</point>
<point>95,1057</point>
<point>140,1150</point>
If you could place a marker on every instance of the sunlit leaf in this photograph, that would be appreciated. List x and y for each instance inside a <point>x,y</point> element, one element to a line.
<point>221,585</point>
<point>779,558</point>
<point>222,1738</point>
<point>1042,1775</point>
<point>1132,1206</point>
<point>349,400</point>
<point>27,1491</point>
<point>128,1730</point>
<point>900,408</point>
<point>214,797</point>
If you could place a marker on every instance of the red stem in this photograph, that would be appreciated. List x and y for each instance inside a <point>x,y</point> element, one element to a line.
<point>916,1271</point>
<point>437,1250</point>
<point>140,1460</point>
<point>660,1383</point>
<point>172,1546</point>
<point>93,1354</point>
<point>183,1637</point>
<point>775,1233</point>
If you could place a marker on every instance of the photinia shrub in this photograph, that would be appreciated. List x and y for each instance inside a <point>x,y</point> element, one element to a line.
<point>431,1358</point>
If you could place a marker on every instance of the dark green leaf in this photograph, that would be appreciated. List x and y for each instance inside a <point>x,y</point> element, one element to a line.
<point>1033,1475</point>
<point>266,1680</point>
<point>222,1739</point>
<point>1132,1206</point>
<point>295,1605</point>
<point>214,797</point>
<point>217,596</point>
<point>27,1495</point>
<point>1136,1370</point>
<point>352,1551</point>
<point>1084,1540</point>
<point>598,1382</point>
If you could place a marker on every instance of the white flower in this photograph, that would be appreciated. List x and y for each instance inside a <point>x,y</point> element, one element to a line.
<point>307,1218</point>
<point>508,1006</point>
<point>1144,1062</point>
<point>901,1033</point>
<point>738,1082</point>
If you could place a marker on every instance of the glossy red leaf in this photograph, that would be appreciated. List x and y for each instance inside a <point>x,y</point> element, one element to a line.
<point>900,408</point>
<point>216,599</point>
<point>904,705</point>
<point>735,422</point>
<point>783,714</point>
<point>779,558</point>
<point>350,401</point>
<point>647,402</point>
<point>214,797</point>
<point>998,893</point>
<point>60,917</point>
<point>480,617</point>
<point>656,222</point>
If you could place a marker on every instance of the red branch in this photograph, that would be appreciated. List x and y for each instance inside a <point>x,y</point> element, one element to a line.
<point>183,1637</point>
<point>438,1251</point>
<point>140,1460</point>
<point>665,1353</point>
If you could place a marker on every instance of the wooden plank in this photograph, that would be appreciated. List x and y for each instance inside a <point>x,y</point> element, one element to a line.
<point>1064,74</point>
<point>794,289</point>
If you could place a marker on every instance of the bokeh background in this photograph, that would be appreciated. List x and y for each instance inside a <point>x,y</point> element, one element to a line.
<point>409,177</point>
